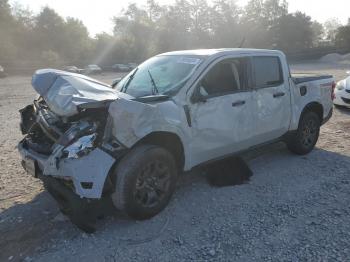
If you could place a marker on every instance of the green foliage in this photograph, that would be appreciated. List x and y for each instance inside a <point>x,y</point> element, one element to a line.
<point>45,39</point>
<point>342,37</point>
<point>5,12</point>
<point>50,58</point>
<point>293,32</point>
<point>331,26</point>
<point>142,31</point>
<point>318,32</point>
<point>7,50</point>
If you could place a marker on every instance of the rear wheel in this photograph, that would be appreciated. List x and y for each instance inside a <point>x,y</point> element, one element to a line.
<point>303,140</point>
<point>145,180</point>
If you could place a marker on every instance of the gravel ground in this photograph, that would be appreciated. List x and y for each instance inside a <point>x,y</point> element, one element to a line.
<point>295,208</point>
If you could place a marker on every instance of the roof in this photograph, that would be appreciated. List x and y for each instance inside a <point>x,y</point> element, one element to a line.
<point>211,52</point>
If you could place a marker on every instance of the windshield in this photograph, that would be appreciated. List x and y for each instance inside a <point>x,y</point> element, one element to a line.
<point>159,75</point>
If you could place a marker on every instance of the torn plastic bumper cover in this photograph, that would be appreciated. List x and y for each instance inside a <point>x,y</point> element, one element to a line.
<point>76,163</point>
<point>81,211</point>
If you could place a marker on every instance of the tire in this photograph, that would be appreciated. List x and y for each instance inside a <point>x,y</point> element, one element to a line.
<point>303,140</point>
<point>145,180</point>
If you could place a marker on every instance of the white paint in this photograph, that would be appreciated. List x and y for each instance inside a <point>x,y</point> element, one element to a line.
<point>218,128</point>
<point>342,90</point>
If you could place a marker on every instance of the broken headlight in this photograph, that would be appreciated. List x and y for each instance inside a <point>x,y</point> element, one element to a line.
<point>81,147</point>
<point>76,131</point>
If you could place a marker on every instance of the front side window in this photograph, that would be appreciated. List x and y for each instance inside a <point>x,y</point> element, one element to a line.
<point>267,71</point>
<point>159,75</point>
<point>226,76</point>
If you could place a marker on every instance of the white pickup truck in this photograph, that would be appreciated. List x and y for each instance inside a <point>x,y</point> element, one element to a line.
<point>87,140</point>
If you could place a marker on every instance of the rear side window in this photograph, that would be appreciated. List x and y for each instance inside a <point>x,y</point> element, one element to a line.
<point>267,71</point>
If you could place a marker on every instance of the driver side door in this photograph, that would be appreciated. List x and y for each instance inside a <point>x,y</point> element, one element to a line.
<point>222,113</point>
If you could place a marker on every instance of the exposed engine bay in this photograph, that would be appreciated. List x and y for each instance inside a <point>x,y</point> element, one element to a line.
<point>78,128</point>
<point>64,131</point>
<point>68,146</point>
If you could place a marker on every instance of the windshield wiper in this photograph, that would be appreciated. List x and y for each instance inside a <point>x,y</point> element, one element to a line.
<point>125,86</point>
<point>152,98</point>
<point>154,89</point>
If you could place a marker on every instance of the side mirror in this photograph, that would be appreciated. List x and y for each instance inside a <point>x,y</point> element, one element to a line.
<point>116,81</point>
<point>197,96</point>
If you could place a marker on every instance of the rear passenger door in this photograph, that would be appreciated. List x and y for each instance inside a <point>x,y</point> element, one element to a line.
<point>272,98</point>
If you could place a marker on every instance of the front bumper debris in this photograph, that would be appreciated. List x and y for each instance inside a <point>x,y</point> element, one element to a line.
<point>88,173</point>
<point>81,211</point>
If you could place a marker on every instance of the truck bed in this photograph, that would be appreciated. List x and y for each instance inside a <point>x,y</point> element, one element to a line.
<point>299,78</point>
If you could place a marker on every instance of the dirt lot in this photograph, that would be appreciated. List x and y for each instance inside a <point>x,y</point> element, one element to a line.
<point>293,209</point>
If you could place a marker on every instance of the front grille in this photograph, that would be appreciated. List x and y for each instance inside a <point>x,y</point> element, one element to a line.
<point>346,100</point>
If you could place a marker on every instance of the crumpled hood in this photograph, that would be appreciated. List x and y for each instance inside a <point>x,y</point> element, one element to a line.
<point>64,92</point>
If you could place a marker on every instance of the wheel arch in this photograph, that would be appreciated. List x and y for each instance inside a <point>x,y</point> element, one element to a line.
<point>313,107</point>
<point>168,140</point>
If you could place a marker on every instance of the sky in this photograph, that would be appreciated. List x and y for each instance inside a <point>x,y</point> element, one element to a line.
<point>97,15</point>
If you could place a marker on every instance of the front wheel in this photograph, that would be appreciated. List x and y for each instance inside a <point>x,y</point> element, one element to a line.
<point>145,180</point>
<point>304,139</point>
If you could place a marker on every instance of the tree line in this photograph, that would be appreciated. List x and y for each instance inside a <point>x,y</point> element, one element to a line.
<point>142,31</point>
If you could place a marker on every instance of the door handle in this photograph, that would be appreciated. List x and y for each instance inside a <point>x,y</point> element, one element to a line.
<point>238,103</point>
<point>278,94</point>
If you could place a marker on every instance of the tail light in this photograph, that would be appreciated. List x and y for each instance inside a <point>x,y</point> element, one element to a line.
<point>333,87</point>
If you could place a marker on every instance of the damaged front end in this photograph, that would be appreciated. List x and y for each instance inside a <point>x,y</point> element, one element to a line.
<point>67,135</point>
